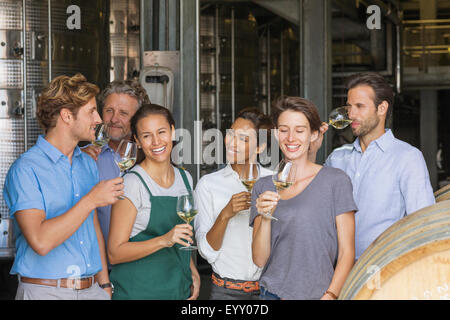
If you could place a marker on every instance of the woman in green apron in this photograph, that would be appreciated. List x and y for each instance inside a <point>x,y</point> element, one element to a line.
<point>146,232</point>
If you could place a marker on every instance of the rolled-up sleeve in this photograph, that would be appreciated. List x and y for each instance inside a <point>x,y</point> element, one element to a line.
<point>415,183</point>
<point>21,191</point>
<point>204,221</point>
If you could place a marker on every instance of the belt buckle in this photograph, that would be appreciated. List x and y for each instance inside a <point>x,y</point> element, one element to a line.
<point>74,283</point>
<point>249,286</point>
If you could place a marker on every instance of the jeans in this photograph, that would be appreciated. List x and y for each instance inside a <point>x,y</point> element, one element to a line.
<point>266,295</point>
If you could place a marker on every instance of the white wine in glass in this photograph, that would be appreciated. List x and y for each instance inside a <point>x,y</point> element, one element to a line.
<point>187,210</point>
<point>339,119</point>
<point>101,135</point>
<point>249,177</point>
<point>283,178</point>
<point>125,156</point>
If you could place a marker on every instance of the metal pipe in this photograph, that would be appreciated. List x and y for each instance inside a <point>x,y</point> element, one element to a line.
<point>141,32</point>
<point>24,75</point>
<point>216,31</point>
<point>167,26</point>
<point>398,65</point>
<point>301,76</point>
<point>50,66</point>
<point>197,71</point>
<point>181,65</point>
<point>281,64</point>
<point>155,23</point>
<point>426,21</point>
<point>268,70</point>
<point>233,75</point>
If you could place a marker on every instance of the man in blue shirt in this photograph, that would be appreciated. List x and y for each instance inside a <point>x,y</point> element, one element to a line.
<point>52,192</point>
<point>390,178</point>
<point>119,101</point>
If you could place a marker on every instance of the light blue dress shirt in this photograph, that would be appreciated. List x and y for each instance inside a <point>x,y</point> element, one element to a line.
<point>43,178</point>
<point>390,180</point>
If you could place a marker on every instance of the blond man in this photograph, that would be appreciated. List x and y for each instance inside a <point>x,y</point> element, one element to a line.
<point>52,192</point>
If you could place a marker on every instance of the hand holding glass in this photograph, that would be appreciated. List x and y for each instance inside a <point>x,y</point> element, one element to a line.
<point>186,210</point>
<point>339,118</point>
<point>283,178</point>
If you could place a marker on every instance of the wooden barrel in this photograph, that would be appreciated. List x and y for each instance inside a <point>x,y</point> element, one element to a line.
<point>410,260</point>
<point>443,194</point>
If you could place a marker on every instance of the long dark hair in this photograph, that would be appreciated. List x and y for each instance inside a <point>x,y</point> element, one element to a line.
<point>144,111</point>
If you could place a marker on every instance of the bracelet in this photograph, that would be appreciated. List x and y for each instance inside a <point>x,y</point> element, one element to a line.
<point>331,294</point>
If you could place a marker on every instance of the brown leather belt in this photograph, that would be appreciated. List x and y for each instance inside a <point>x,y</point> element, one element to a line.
<point>78,284</point>
<point>246,286</point>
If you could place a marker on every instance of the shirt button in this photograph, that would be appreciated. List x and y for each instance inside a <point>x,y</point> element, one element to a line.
<point>357,174</point>
<point>77,195</point>
<point>88,265</point>
<point>81,242</point>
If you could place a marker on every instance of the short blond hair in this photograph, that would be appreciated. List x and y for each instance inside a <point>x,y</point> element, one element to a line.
<point>63,92</point>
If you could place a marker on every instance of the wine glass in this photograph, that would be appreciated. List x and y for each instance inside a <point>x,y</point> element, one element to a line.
<point>248,178</point>
<point>101,135</point>
<point>186,210</point>
<point>125,156</point>
<point>338,118</point>
<point>283,178</point>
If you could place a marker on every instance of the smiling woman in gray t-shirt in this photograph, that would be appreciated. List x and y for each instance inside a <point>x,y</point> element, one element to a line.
<point>309,251</point>
<point>304,242</point>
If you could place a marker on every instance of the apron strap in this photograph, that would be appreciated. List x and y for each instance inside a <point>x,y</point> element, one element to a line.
<point>143,182</point>
<point>183,175</point>
<point>185,179</point>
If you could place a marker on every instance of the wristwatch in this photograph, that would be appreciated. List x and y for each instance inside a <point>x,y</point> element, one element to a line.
<point>107,285</point>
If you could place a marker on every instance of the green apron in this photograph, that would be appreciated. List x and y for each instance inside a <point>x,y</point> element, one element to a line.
<point>164,274</point>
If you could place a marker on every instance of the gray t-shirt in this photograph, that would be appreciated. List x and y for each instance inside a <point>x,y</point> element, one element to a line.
<point>136,192</point>
<point>304,244</point>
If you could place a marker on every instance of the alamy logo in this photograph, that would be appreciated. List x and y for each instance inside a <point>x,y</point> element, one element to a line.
<point>74,20</point>
<point>374,21</point>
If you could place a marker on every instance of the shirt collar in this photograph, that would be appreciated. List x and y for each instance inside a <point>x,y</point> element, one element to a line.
<point>228,170</point>
<point>106,147</point>
<point>385,140</point>
<point>51,151</point>
<point>382,142</point>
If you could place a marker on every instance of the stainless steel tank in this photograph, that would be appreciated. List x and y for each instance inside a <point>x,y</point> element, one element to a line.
<point>6,238</point>
<point>124,39</point>
<point>27,66</point>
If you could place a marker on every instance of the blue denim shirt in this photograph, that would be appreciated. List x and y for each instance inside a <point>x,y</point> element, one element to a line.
<point>390,180</point>
<point>43,178</point>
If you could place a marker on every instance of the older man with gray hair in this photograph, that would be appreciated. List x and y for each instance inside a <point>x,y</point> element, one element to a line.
<point>119,101</point>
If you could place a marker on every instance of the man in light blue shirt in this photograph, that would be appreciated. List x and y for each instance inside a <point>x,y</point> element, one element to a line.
<point>119,102</point>
<point>390,178</point>
<point>52,192</point>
